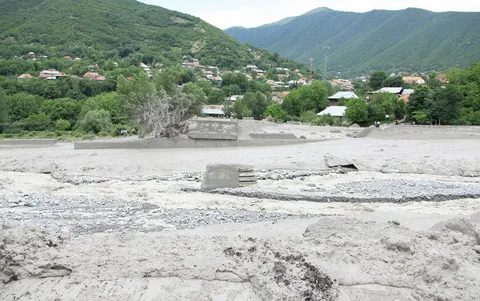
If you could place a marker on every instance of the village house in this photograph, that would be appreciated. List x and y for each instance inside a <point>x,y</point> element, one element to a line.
<point>234,98</point>
<point>413,80</point>
<point>337,112</point>
<point>217,79</point>
<point>442,78</point>
<point>217,111</point>
<point>406,94</point>
<point>51,74</point>
<point>251,67</point>
<point>279,96</point>
<point>25,76</point>
<point>391,90</point>
<point>346,95</point>
<point>345,85</point>
<point>93,76</point>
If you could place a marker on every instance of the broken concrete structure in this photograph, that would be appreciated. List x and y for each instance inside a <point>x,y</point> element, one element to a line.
<point>212,129</point>
<point>228,176</point>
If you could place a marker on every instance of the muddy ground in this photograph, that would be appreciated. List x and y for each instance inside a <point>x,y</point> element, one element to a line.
<point>134,224</point>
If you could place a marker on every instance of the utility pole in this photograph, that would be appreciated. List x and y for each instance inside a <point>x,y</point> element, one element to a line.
<point>325,65</point>
<point>311,70</point>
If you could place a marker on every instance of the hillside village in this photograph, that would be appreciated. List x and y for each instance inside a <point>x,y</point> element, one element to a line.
<point>280,79</point>
<point>277,93</point>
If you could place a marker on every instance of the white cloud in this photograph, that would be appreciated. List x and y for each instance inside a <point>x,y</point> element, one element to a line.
<point>251,13</point>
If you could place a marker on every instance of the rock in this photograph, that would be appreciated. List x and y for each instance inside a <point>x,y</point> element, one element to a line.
<point>354,126</point>
<point>477,249</point>
<point>458,225</point>
<point>335,131</point>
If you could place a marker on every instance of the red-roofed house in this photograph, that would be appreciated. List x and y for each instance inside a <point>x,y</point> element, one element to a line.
<point>93,76</point>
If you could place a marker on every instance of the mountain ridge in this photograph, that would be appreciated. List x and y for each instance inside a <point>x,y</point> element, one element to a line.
<point>411,39</point>
<point>104,28</point>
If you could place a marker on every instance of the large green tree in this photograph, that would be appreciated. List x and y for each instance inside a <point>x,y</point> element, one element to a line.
<point>63,108</point>
<point>306,98</point>
<point>357,111</point>
<point>377,80</point>
<point>257,102</point>
<point>22,105</point>
<point>419,100</point>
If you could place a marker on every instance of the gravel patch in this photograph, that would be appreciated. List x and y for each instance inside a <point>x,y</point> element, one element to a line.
<point>84,215</point>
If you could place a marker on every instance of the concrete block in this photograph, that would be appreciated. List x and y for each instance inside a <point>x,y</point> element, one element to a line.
<point>228,176</point>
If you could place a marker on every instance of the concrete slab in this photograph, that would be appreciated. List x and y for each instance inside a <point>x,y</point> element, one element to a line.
<point>333,162</point>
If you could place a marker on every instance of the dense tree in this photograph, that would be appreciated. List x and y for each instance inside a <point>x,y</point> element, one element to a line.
<point>394,81</point>
<point>109,102</point>
<point>37,122</point>
<point>3,110</point>
<point>168,80</point>
<point>446,105</point>
<point>419,100</point>
<point>238,79</point>
<point>22,105</point>
<point>357,111</point>
<point>63,108</point>
<point>216,97</point>
<point>257,102</point>
<point>306,98</point>
<point>241,109</point>
<point>96,121</point>
<point>377,80</point>
<point>276,111</point>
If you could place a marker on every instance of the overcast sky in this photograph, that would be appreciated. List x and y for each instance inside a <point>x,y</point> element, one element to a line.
<point>251,13</point>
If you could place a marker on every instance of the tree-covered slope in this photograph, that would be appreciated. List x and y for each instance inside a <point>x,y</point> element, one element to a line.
<point>405,40</point>
<point>100,29</point>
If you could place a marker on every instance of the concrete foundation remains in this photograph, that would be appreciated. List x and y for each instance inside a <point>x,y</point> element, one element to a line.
<point>273,136</point>
<point>212,129</point>
<point>228,176</point>
<point>28,142</point>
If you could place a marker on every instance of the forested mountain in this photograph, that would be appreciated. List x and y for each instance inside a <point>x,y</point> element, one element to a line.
<point>404,40</point>
<point>102,29</point>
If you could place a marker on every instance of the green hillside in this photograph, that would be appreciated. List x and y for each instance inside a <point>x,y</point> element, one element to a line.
<point>405,40</point>
<point>102,29</point>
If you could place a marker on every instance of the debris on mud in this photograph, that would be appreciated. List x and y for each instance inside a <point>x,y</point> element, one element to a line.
<point>28,253</point>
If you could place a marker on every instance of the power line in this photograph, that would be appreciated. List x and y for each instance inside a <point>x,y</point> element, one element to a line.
<point>325,65</point>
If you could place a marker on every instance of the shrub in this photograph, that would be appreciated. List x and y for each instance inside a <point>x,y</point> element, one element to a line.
<point>96,121</point>
<point>308,116</point>
<point>62,125</point>
<point>324,120</point>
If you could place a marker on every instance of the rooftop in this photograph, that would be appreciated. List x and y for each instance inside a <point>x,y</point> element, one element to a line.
<point>335,111</point>
<point>343,94</point>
